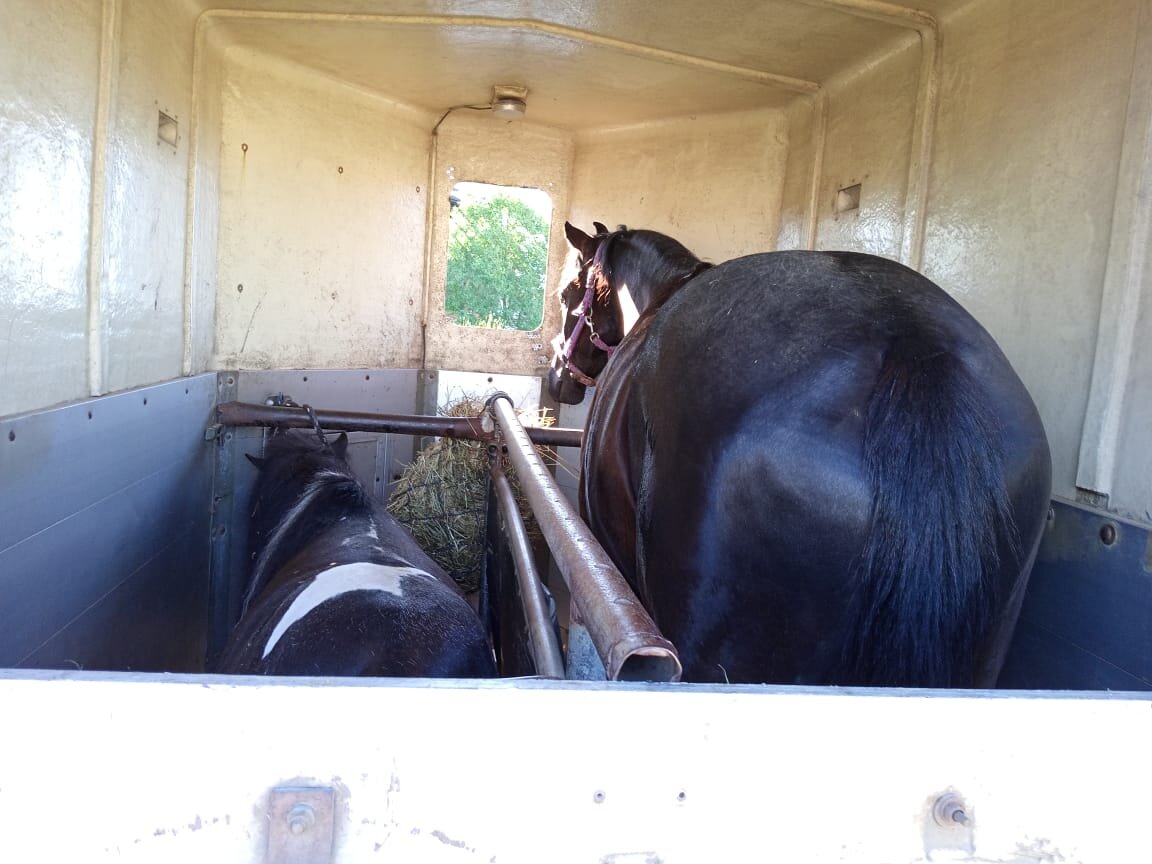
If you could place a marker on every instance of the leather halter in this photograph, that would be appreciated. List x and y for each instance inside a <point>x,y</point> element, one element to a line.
<point>565,351</point>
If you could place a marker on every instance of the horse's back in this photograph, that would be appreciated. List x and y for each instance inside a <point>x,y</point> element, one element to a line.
<point>362,619</point>
<point>747,413</point>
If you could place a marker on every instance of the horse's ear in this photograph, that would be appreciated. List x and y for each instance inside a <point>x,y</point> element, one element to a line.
<point>340,445</point>
<point>600,227</point>
<point>258,461</point>
<point>579,240</point>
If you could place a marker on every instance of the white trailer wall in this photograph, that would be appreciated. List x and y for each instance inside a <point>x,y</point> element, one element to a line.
<point>322,216</point>
<point>714,182</point>
<point>92,204</point>
<point>1029,133</point>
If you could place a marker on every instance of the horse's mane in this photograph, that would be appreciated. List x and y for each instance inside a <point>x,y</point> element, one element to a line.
<point>315,486</point>
<point>651,264</point>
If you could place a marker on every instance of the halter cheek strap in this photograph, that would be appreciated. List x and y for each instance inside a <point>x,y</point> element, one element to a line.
<point>569,346</point>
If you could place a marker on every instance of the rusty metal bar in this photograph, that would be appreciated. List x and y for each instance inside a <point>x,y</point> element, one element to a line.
<point>625,636</point>
<point>542,641</point>
<point>471,428</point>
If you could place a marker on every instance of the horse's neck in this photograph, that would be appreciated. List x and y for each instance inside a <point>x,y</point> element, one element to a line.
<point>313,510</point>
<point>644,296</point>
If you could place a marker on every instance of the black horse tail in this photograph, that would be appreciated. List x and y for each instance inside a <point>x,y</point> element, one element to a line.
<point>926,584</point>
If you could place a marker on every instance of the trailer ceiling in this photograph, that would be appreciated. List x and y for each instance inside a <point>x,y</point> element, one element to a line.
<point>586,64</point>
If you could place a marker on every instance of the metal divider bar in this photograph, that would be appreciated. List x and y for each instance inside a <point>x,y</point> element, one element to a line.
<point>625,636</point>
<point>542,641</point>
<point>472,428</point>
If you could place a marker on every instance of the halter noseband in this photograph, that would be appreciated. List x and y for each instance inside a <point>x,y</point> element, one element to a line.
<point>569,345</point>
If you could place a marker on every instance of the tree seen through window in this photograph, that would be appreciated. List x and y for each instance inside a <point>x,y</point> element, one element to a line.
<point>497,256</point>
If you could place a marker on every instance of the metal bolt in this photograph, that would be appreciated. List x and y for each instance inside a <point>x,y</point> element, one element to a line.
<point>1108,534</point>
<point>301,818</point>
<point>948,811</point>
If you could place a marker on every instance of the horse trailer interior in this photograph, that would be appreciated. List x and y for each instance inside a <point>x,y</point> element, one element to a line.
<point>215,201</point>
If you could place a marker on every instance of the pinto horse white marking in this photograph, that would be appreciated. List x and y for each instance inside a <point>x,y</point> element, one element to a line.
<point>351,588</point>
<point>361,576</point>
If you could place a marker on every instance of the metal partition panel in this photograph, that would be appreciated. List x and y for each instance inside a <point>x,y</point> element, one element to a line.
<point>104,531</point>
<point>1085,620</point>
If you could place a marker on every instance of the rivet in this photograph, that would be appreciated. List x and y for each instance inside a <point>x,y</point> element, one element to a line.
<point>598,796</point>
<point>244,147</point>
<point>1108,534</point>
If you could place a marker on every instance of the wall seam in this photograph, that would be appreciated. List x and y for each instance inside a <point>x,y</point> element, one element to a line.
<point>107,75</point>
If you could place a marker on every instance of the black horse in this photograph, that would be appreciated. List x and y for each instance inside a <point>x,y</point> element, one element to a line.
<point>338,587</point>
<point>813,467</point>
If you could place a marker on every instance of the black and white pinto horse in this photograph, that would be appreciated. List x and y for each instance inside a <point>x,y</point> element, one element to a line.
<point>812,467</point>
<point>338,587</point>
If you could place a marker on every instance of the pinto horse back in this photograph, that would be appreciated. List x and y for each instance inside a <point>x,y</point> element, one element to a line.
<point>829,474</point>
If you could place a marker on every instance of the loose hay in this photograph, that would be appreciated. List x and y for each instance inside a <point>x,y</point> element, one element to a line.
<point>440,497</point>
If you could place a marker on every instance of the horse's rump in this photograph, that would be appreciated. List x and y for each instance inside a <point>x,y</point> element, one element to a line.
<point>831,463</point>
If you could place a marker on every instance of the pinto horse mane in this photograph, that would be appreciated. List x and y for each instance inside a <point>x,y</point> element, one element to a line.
<point>301,488</point>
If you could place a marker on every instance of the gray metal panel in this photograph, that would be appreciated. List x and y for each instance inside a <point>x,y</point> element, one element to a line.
<point>105,502</point>
<point>389,391</point>
<point>149,610</point>
<point>1085,620</point>
<point>383,390</point>
<point>56,462</point>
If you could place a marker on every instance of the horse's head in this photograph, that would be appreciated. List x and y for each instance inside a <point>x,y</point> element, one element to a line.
<point>591,327</point>
<point>294,463</point>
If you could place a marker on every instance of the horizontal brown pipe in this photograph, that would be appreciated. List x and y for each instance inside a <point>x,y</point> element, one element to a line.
<point>470,428</point>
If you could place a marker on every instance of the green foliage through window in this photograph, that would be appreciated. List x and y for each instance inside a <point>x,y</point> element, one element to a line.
<point>497,256</point>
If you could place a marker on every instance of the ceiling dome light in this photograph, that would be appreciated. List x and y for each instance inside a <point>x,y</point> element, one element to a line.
<point>509,107</point>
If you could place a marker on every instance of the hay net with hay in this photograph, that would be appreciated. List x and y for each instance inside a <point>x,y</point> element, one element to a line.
<point>440,496</point>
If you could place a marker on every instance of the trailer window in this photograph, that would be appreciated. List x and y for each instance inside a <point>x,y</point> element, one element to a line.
<point>497,255</point>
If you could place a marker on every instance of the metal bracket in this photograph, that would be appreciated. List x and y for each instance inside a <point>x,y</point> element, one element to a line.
<point>211,433</point>
<point>301,825</point>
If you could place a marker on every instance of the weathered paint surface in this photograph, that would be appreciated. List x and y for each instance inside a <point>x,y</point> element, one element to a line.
<point>745,774</point>
<point>321,222</point>
<point>714,182</point>
<point>488,150</point>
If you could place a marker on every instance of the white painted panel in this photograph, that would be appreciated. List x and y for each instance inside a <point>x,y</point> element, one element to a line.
<point>869,140</point>
<point>48,83</point>
<point>103,768</point>
<point>321,232</point>
<point>145,197</point>
<point>205,129</point>
<point>714,182</point>
<point>1024,181</point>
